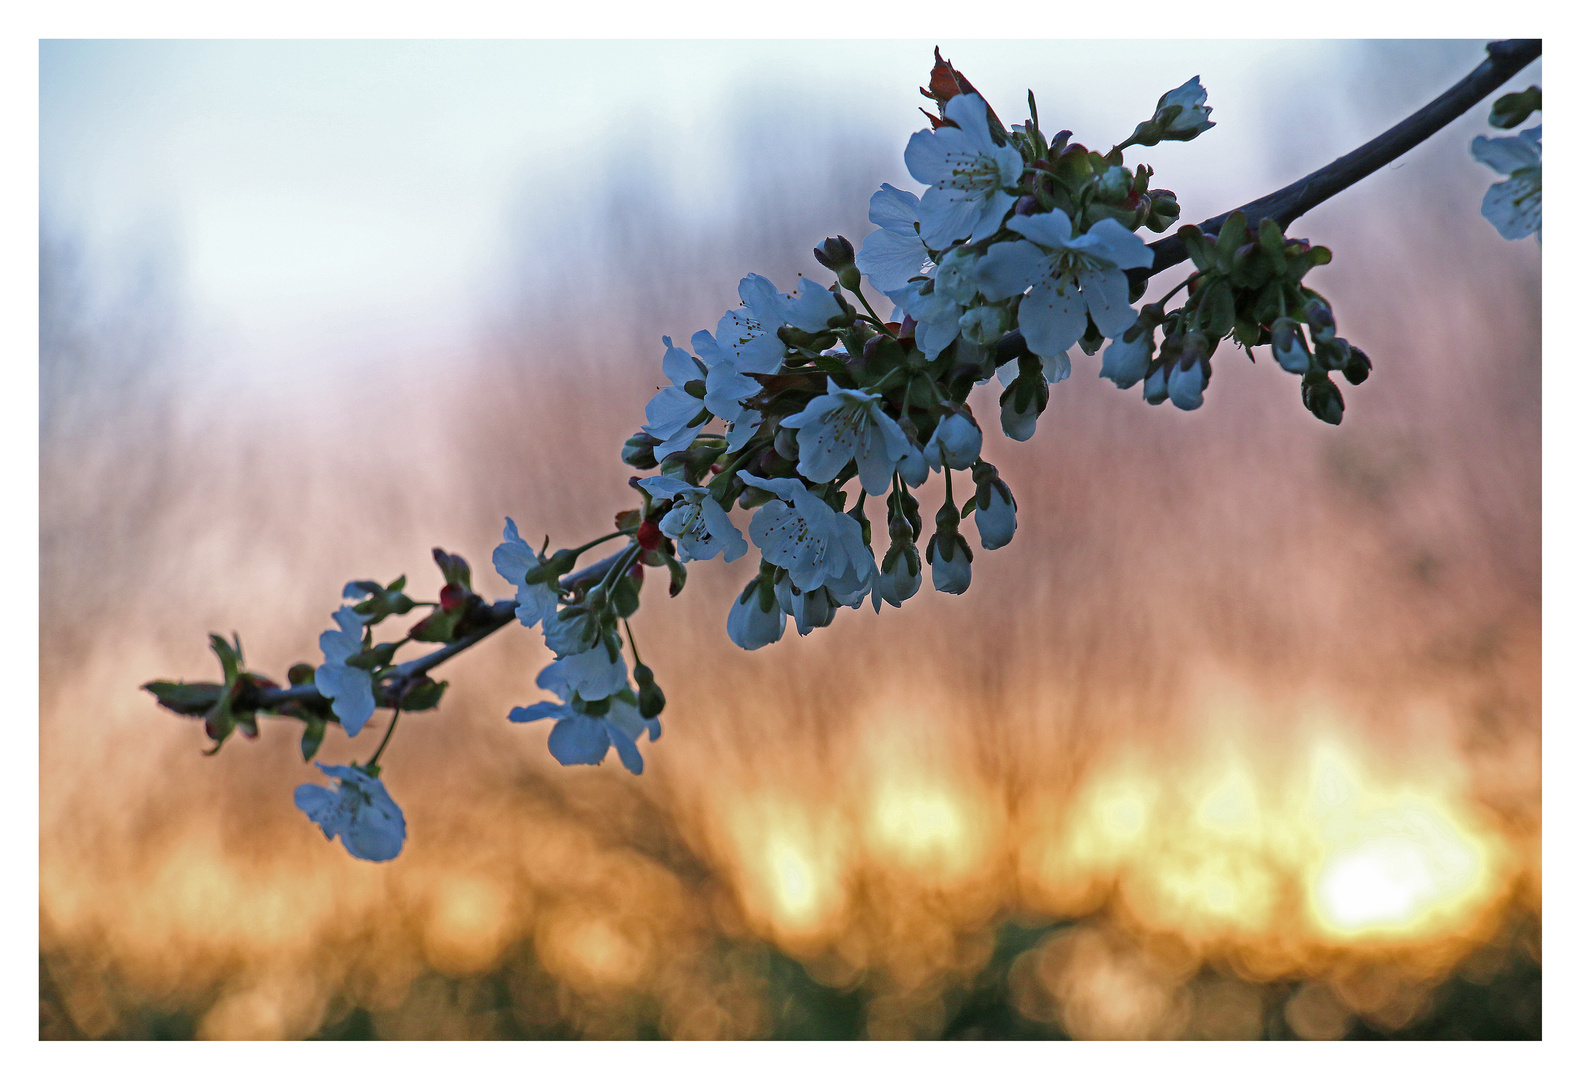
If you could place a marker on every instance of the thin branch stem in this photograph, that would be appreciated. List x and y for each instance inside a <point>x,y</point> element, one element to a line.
<point>1505,59</point>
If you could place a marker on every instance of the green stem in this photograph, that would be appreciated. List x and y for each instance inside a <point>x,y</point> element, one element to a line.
<point>374,760</point>
<point>601,540</point>
<point>880,323</point>
<point>635,655</point>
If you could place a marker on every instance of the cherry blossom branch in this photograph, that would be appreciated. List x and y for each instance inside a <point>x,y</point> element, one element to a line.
<point>492,618</point>
<point>1505,59</point>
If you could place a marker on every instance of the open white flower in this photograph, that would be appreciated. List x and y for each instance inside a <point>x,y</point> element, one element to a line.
<point>938,310</point>
<point>1069,277</point>
<point>697,523</point>
<point>675,415</point>
<point>969,176</point>
<point>349,688</point>
<point>749,335</point>
<point>895,253</point>
<point>726,390</point>
<point>803,534</point>
<point>844,424</point>
<point>513,559</point>
<point>590,674</point>
<point>1514,206</point>
<point>358,810</point>
<point>584,732</point>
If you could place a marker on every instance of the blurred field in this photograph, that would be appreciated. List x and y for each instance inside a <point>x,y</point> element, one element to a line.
<point>1239,738</point>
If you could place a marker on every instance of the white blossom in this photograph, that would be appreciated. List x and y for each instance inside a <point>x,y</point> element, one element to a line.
<point>749,335</point>
<point>844,424</point>
<point>583,737</point>
<point>350,688</point>
<point>969,175</point>
<point>805,535</point>
<point>358,810</point>
<point>1514,206</point>
<point>675,416</point>
<point>591,674</point>
<point>1069,277</point>
<point>895,253</point>
<point>513,559</point>
<point>697,523</point>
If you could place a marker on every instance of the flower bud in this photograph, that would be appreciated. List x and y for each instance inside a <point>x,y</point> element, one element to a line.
<point>1126,359</point>
<point>950,560</point>
<point>995,514</point>
<point>956,442</point>
<point>835,253</point>
<point>1321,319</point>
<point>785,443</point>
<point>1357,367</point>
<point>899,577</point>
<point>1027,204</point>
<point>650,699</point>
<point>755,622</point>
<point>1114,184</point>
<point>1155,390</point>
<point>811,610</point>
<point>1290,347</point>
<point>1322,398</point>
<point>985,325</point>
<point>1182,114</point>
<point>1165,209</point>
<point>1189,377</point>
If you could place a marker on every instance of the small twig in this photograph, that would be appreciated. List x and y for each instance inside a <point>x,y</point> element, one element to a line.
<point>495,616</point>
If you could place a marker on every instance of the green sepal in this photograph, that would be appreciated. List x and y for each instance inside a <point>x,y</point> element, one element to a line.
<point>188,699</point>
<point>626,596</point>
<point>455,569</point>
<point>1271,241</point>
<point>1197,246</point>
<point>1218,309</point>
<point>425,695</point>
<point>1231,236</point>
<point>312,738</point>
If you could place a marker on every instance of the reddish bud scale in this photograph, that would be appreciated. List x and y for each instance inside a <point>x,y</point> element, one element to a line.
<point>451,597</point>
<point>648,535</point>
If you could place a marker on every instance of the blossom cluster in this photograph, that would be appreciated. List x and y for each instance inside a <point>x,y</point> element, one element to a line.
<point>799,407</point>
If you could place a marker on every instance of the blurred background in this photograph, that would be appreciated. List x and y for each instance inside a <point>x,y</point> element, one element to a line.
<point>1240,738</point>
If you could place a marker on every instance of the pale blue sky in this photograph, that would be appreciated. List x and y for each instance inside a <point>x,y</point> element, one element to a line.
<point>325,198</point>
